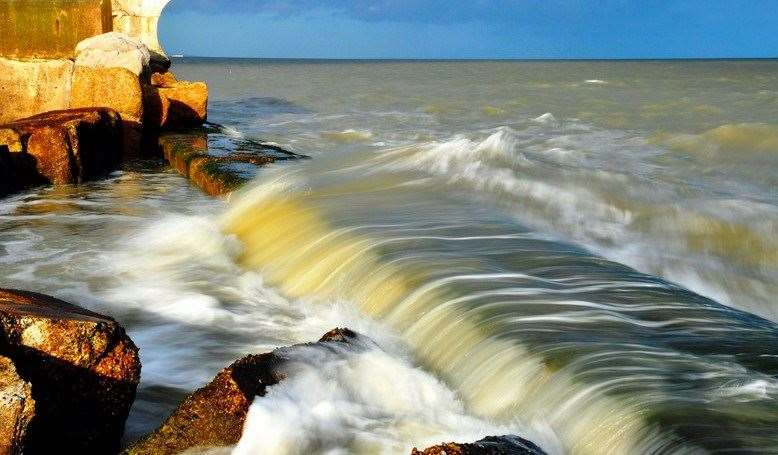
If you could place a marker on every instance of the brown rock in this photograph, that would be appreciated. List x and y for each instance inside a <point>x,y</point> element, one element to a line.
<point>115,88</point>
<point>176,104</point>
<point>492,445</point>
<point>166,79</point>
<point>188,104</point>
<point>63,146</point>
<point>17,408</point>
<point>213,416</point>
<point>83,369</point>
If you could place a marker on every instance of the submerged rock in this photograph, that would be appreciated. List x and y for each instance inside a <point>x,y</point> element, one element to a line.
<point>213,416</point>
<point>60,147</point>
<point>492,445</point>
<point>82,370</point>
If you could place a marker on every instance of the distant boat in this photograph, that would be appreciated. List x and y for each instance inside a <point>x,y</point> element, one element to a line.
<point>177,55</point>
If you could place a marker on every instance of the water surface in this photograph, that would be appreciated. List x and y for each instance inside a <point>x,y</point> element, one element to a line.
<point>583,253</point>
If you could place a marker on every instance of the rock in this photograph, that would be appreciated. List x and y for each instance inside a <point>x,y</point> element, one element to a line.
<point>82,367</point>
<point>175,104</point>
<point>110,72</point>
<point>189,154</point>
<point>62,146</point>
<point>8,183</point>
<point>17,408</point>
<point>113,50</point>
<point>188,104</point>
<point>163,79</point>
<point>50,29</point>
<point>492,445</point>
<point>31,87</point>
<point>213,416</point>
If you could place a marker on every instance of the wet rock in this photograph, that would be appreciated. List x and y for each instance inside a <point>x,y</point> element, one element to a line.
<point>82,367</point>
<point>492,445</point>
<point>217,162</point>
<point>61,147</point>
<point>214,174</point>
<point>17,408</point>
<point>213,416</point>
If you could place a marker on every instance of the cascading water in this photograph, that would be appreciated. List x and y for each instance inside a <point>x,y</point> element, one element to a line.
<point>525,328</point>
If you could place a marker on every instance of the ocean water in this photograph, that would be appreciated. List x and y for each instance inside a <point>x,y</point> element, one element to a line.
<point>581,253</point>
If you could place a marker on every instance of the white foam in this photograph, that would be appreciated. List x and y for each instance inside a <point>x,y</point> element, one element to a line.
<point>546,119</point>
<point>367,401</point>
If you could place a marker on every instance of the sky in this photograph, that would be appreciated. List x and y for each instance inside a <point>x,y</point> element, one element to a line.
<point>466,29</point>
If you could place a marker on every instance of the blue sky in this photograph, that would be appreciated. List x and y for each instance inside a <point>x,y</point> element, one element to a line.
<point>472,29</point>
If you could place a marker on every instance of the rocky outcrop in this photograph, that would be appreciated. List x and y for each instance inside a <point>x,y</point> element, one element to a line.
<point>60,147</point>
<point>213,416</point>
<point>82,370</point>
<point>17,408</point>
<point>492,445</point>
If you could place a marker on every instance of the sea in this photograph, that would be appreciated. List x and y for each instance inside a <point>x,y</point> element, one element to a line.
<point>581,253</point>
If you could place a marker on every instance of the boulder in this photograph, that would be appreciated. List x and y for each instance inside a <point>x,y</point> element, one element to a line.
<point>17,408</point>
<point>492,445</point>
<point>82,369</point>
<point>213,416</point>
<point>110,71</point>
<point>175,104</point>
<point>61,147</point>
<point>31,87</point>
<point>113,50</point>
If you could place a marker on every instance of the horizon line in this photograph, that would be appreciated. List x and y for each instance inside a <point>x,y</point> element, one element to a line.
<point>481,59</point>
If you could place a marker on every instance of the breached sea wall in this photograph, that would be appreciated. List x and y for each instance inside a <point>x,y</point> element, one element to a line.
<point>38,43</point>
<point>64,55</point>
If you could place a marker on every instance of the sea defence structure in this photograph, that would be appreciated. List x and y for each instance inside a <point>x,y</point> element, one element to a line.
<point>64,55</point>
<point>139,18</point>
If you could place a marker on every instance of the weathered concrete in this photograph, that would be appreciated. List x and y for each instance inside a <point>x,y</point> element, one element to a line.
<point>50,29</point>
<point>31,87</point>
<point>189,154</point>
<point>139,19</point>
<point>82,367</point>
